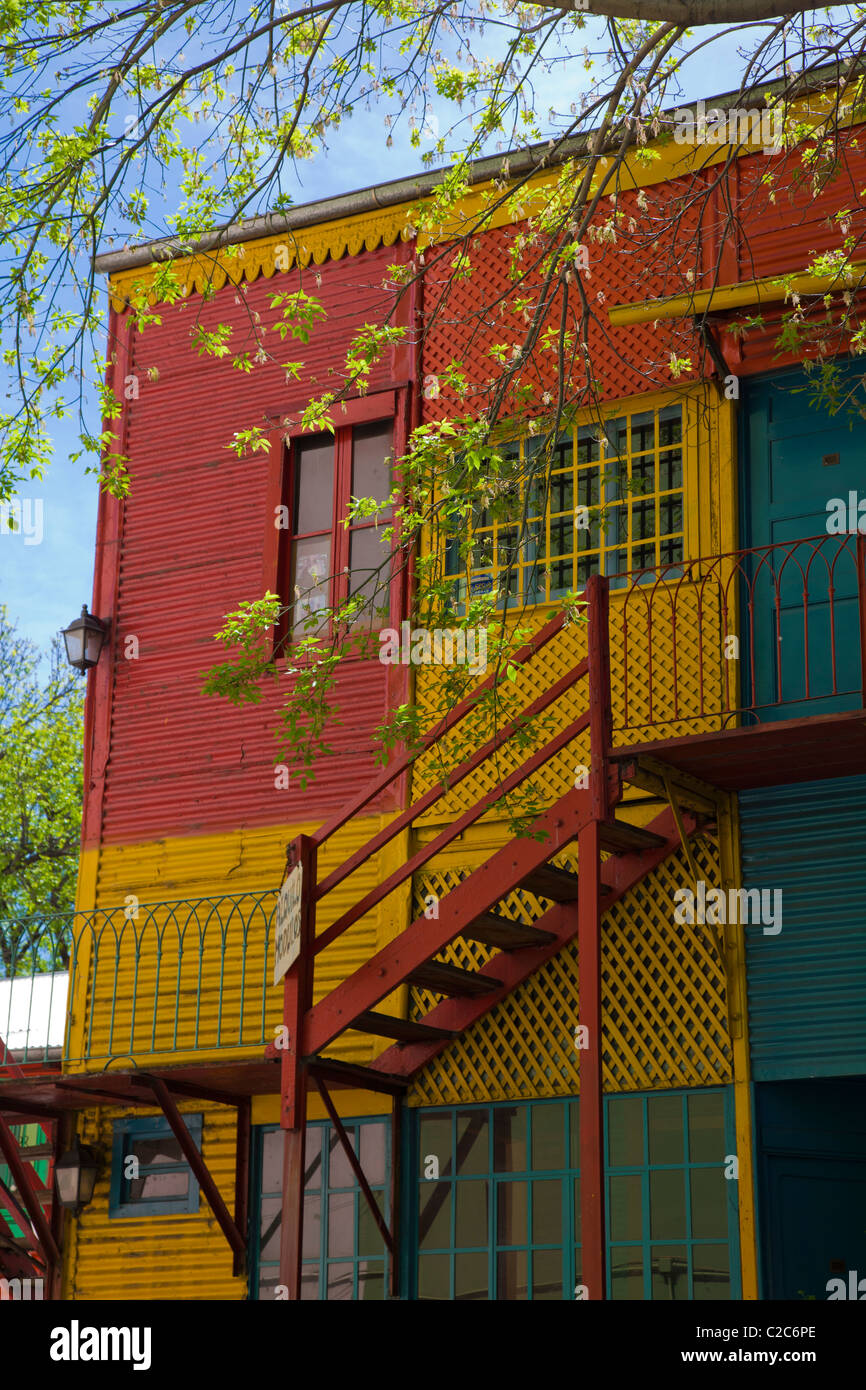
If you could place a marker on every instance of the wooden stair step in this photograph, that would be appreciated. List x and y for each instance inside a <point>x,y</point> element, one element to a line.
<point>503,935</point>
<point>403,1030</point>
<point>617,835</point>
<point>549,882</point>
<point>443,978</point>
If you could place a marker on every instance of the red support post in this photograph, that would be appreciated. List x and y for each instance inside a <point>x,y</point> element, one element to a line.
<point>589,948</point>
<point>591,1099</point>
<point>297,999</point>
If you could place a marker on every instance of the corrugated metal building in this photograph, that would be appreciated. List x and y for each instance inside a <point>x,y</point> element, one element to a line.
<point>586,1091</point>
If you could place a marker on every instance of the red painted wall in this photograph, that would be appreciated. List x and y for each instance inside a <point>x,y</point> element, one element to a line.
<point>186,547</point>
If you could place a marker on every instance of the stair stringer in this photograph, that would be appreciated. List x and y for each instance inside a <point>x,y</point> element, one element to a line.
<point>619,873</point>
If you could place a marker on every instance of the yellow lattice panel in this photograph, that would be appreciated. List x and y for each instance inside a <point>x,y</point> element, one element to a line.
<point>663,999</point>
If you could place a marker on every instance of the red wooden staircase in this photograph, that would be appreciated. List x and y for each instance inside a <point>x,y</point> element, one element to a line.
<point>576,903</point>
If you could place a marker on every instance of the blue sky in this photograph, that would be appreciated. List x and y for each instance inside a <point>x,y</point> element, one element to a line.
<point>43,585</point>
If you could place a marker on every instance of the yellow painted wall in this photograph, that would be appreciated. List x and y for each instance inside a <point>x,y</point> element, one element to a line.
<point>149,1257</point>
<point>144,990</point>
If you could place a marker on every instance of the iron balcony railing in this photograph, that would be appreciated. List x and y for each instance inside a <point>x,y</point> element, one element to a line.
<point>773,632</point>
<point>163,978</point>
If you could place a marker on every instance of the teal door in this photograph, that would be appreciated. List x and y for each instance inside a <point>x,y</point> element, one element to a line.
<point>818,1228</point>
<point>811,1151</point>
<point>801,646</point>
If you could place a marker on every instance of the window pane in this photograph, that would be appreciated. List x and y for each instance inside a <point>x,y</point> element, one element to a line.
<point>665,1124</point>
<point>711,1276</point>
<point>341,1223</point>
<point>625,1131</point>
<point>270,1229</point>
<point>547,1274</point>
<point>156,1151</point>
<point>370,1240</point>
<point>434,1276</point>
<point>340,1282</point>
<point>670,1272</point>
<point>547,1212</point>
<point>667,1204</point>
<point>470,1276</point>
<point>574,1133</point>
<point>706,1127</point>
<point>548,1137</point>
<point>309,1284</point>
<point>626,1218</point>
<point>312,1157</point>
<point>339,1171</point>
<point>371,460</point>
<point>577,1217</point>
<point>709,1202</point>
<point>511,1220</point>
<point>473,1143</point>
<point>509,1139</point>
<point>435,1143</point>
<point>370,578</point>
<point>626,1272</point>
<point>311,573</point>
<point>312,1240</point>
<point>371,1280</point>
<point>155,1185</point>
<point>511,1275</point>
<point>314,484</point>
<point>373,1153</point>
<point>471,1214</point>
<point>434,1216</point>
<point>272,1160</point>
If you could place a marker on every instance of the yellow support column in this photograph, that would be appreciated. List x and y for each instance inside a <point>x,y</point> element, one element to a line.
<point>729,841</point>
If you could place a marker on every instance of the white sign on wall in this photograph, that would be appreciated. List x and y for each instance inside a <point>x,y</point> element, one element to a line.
<point>287,941</point>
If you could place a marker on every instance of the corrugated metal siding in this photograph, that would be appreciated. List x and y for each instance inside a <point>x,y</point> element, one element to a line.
<point>193,533</point>
<point>807,985</point>
<point>161,1257</point>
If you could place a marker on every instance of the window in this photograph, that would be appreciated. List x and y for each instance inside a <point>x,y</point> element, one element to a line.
<point>535,550</point>
<point>344,1255</point>
<point>149,1174</point>
<point>498,1204</point>
<point>331,562</point>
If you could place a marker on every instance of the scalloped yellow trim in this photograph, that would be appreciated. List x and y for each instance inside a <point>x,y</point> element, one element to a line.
<point>349,236</point>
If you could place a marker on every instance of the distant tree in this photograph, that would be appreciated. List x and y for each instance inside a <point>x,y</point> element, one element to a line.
<point>41,732</point>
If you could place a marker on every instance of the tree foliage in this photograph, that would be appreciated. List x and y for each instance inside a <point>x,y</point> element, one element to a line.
<point>41,733</point>
<point>183,118</point>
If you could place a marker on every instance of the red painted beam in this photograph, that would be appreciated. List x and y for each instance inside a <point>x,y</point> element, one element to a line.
<point>504,871</point>
<point>591,1100</point>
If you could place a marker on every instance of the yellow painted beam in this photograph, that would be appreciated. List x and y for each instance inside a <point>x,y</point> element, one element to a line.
<point>768,290</point>
<point>729,843</point>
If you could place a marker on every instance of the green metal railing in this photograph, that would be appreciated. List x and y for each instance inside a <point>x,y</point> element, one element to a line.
<point>143,979</point>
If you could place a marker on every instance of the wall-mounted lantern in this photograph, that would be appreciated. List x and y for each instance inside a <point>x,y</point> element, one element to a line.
<point>84,640</point>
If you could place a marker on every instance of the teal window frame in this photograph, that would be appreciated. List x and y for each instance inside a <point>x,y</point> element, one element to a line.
<point>644,1170</point>
<point>318,1181</point>
<point>125,1134</point>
